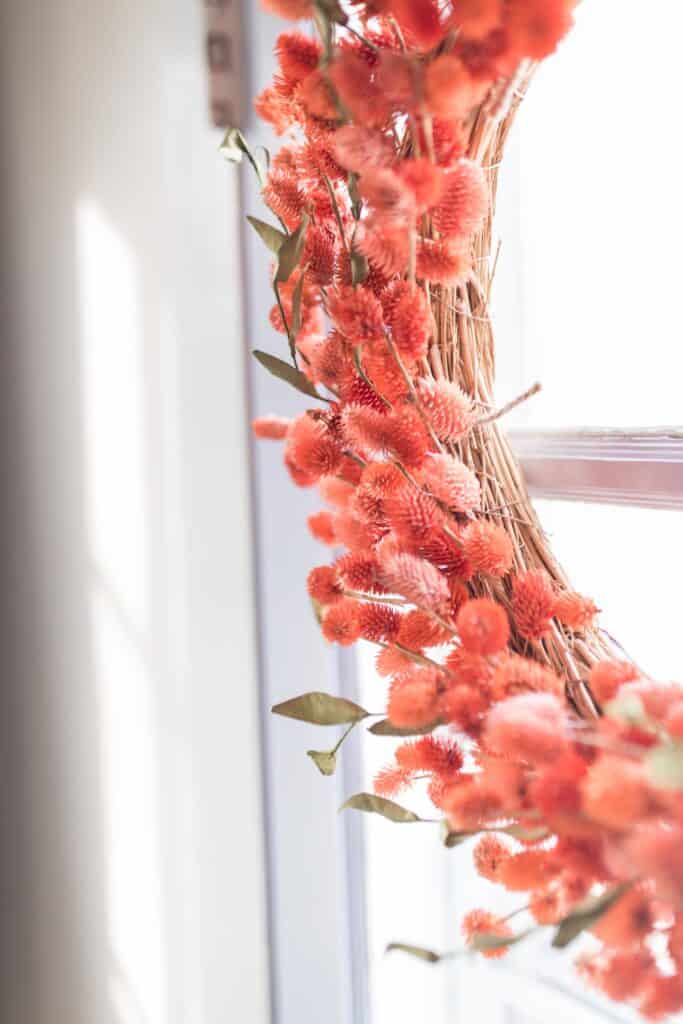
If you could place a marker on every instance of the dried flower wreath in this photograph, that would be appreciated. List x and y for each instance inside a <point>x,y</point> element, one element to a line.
<point>562,763</point>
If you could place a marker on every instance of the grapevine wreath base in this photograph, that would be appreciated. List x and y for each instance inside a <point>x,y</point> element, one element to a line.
<point>561,764</point>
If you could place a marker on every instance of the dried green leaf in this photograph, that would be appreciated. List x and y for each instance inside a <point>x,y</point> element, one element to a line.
<point>380,805</point>
<point>235,147</point>
<point>664,765</point>
<point>285,371</point>
<point>586,915</point>
<point>526,834</point>
<point>354,195</point>
<point>321,709</point>
<point>452,839</point>
<point>290,251</point>
<point>325,760</point>
<point>317,610</point>
<point>385,728</point>
<point>483,941</point>
<point>428,955</point>
<point>268,234</point>
<point>332,10</point>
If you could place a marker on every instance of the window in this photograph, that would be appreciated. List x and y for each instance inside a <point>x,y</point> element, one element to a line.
<point>590,234</point>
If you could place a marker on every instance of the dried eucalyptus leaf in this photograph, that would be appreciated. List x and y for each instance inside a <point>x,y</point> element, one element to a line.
<point>268,234</point>
<point>290,251</point>
<point>586,915</point>
<point>359,266</point>
<point>386,728</point>
<point>380,805</point>
<point>320,709</point>
<point>354,195</point>
<point>317,610</point>
<point>295,325</point>
<point>526,834</point>
<point>664,765</point>
<point>452,839</point>
<point>324,760</point>
<point>428,955</point>
<point>483,941</point>
<point>288,373</point>
<point>235,147</point>
<point>332,10</point>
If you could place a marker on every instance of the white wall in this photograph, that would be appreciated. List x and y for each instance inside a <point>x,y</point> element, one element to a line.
<point>131,849</point>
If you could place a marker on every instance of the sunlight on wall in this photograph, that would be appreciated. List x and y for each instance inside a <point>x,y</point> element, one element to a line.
<point>112,359</point>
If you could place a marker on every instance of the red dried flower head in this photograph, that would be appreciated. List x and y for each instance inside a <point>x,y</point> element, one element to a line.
<point>515,675</point>
<point>419,20</point>
<point>452,482</point>
<point>424,179</point>
<point>529,869</point>
<point>544,906</point>
<point>535,27</point>
<point>481,922</point>
<point>656,851</point>
<point>556,788</point>
<point>335,491</point>
<point>674,721</point>
<point>450,90</point>
<point>574,611</point>
<point>443,262</point>
<point>388,197</point>
<point>483,626</point>
<point>463,707</point>
<point>627,922</point>
<point>662,997</point>
<point>378,622</point>
<point>607,676</point>
<point>448,408</point>
<point>449,141</point>
<point>297,54</point>
<point>359,571</point>
<point>476,18</point>
<point>430,754</point>
<point>319,255</point>
<point>351,76</point>
<point>358,148</point>
<point>284,197</point>
<point>488,548</point>
<point>531,728</point>
<point>332,361</point>
<point>416,580</point>
<point>533,603</point>
<point>387,250</point>
<point>390,780</point>
<point>357,313</point>
<point>316,97</point>
<point>413,698</point>
<point>471,804</point>
<point>489,855</point>
<point>390,661</point>
<point>324,585</point>
<point>293,10</point>
<point>411,324</point>
<point>469,669</point>
<point>274,108</point>
<point>352,533</point>
<point>341,622</point>
<point>615,792</point>
<point>418,630</point>
<point>271,428</point>
<point>464,203</point>
<point>412,514</point>
<point>321,525</point>
<point>312,446</point>
<point>406,438</point>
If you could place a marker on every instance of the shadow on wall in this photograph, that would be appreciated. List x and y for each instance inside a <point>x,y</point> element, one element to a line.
<point>124,445</point>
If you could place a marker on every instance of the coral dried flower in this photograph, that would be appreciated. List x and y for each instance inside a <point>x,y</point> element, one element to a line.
<point>483,627</point>
<point>324,585</point>
<point>448,408</point>
<point>575,611</point>
<point>413,698</point>
<point>341,622</point>
<point>489,855</point>
<point>271,428</point>
<point>453,483</point>
<point>464,202</point>
<point>533,603</point>
<point>488,548</point>
<point>531,728</point>
<point>481,922</point>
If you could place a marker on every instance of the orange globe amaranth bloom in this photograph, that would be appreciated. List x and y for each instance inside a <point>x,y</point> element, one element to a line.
<point>285,198</point>
<point>535,27</point>
<point>470,669</point>
<point>488,548</point>
<point>556,789</point>
<point>293,10</point>
<point>527,870</point>
<point>357,148</point>
<point>575,611</point>
<point>412,514</point>
<point>418,630</point>
<point>320,255</point>
<point>420,21</point>
<point>515,675</point>
<point>411,324</point>
<point>424,179</point>
<point>464,707</point>
<point>336,491</point>
<point>415,579</point>
<point>431,754</point>
<point>270,428</point>
<point>476,18</point>
<point>444,261</point>
<point>390,780</point>
<point>324,585</point>
<point>378,622</point>
<point>297,55</point>
<point>483,627</point>
<point>359,571</point>
<point>450,90</point>
<point>662,997</point>
<point>341,622</point>
<point>448,408</point>
<point>615,792</point>
<point>391,661</point>
<point>452,482</point>
<point>629,921</point>
<point>413,698</point>
<point>606,677</point>
<point>321,525</point>
<point>388,197</point>
<point>656,852</point>
<point>464,202</point>
<point>544,906</point>
<point>481,922</point>
<point>312,446</point>
<point>489,855</point>
<point>357,313</point>
<point>471,804</point>
<point>531,728</point>
<point>533,603</point>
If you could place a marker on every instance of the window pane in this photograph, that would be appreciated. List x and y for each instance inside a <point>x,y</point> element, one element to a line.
<point>591,213</point>
<point>630,561</point>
